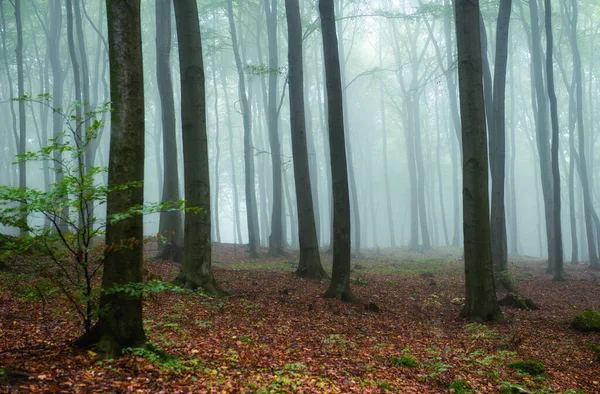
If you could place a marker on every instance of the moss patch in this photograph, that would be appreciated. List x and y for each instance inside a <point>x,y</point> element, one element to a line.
<point>588,321</point>
<point>528,366</point>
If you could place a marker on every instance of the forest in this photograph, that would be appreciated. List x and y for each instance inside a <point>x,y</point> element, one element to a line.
<point>311,196</point>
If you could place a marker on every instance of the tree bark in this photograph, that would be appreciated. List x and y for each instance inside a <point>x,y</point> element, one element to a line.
<point>196,269</point>
<point>340,279</point>
<point>582,162</point>
<point>498,149</point>
<point>170,226</point>
<point>121,325</point>
<point>480,293</point>
<point>276,239</point>
<point>21,93</point>
<point>250,188</point>
<point>310,260</point>
<point>556,264</point>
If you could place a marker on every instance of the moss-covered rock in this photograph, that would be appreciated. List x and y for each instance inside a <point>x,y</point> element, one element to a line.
<point>531,367</point>
<point>588,321</point>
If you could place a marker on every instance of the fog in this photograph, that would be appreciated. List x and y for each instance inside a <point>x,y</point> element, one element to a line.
<point>399,76</point>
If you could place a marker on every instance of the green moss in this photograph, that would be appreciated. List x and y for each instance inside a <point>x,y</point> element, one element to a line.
<point>527,366</point>
<point>588,321</point>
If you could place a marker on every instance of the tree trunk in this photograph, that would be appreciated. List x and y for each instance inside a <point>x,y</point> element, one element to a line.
<point>196,269</point>
<point>250,188</point>
<point>480,301</point>
<point>582,162</point>
<point>121,325</point>
<point>340,279</point>
<point>170,226</point>
<point>498,149</point>
<point>542,129</point>
<point>557,247</point>
<point>276,239</point>
<point>58,80</point>
<point>22,120</point>
<point>310,261</point>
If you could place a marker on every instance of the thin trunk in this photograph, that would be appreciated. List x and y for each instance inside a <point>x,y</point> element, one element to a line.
<point>556,265</point>
<point>310,262</point>
<point>251,209</point>
<point>340,279</point>
<point>170,225</point>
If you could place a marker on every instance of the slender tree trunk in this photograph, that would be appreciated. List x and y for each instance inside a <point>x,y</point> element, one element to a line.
<point>542,128</point>
<point>217,151</point>
<point>250,188</point>
<point>58,79</point>
<point>497,136</point>
<point>276,239</point>
<point>21,92</point>
<point>340,279</point>
<point>237,226</point>
<point>170,225</point>
<point>582,162</point>
<point>196,268</point>
<point>480,300</point>
<point>310,261</point>
<point>557,244</point>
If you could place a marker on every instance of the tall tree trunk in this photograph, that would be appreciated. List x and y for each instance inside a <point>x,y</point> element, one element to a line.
<point>121,326</point>
<point>276,239</point>
<point>340,279</point>
<point>250,188</point>
<point>582,162</point>
<point>58,80</point>
<point>497,136</point>
<point>21,92</point>
<point>196,268</point>
<point>237,226</point>
<point>217,228</point>
<point>542,137</point>
<point>355,212</point>
<point>480,301</point>
<point>557,244</point>
<point>310,261</point>
<point>170,226</point>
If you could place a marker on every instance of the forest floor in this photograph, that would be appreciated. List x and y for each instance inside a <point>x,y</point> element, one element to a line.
<point>276,334</point>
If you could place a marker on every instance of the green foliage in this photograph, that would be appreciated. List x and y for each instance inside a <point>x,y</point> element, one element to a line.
<point>459,387</point>
<point>67,236</point>
<point>512,388</point>
<point>384,384</point>
<point>587,321</point>
<point>168,363</point>
<point>141,290</point>
<point>359,280</point>
<point>530,367</point>
<point>406,360</point>
<point>62,231</point>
